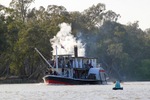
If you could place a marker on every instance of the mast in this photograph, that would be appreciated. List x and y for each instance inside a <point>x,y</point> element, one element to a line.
<point>56,60</point>
<point>43,57</point>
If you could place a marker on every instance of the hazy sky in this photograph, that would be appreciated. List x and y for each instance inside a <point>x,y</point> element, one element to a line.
<point>130,10</point>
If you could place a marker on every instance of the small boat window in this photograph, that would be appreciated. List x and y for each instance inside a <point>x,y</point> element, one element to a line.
<point>92,76</point>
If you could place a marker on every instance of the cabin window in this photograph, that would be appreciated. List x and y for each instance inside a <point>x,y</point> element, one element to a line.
<point>92,76</point>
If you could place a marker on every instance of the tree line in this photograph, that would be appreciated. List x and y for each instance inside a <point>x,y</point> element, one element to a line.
<point>123,50</point>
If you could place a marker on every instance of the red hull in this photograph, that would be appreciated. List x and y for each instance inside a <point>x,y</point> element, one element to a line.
<point>52,79</point>
<point>56,82</point>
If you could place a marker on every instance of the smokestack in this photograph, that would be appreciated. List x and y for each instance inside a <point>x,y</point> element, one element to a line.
<point>75,51</point>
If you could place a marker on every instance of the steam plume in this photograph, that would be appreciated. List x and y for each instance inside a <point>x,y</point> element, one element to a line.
<point>65,42</point>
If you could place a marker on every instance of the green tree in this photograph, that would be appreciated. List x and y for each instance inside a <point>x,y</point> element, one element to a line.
<point>93,15</point>
<point>20,8</point>
<point>144,70</point>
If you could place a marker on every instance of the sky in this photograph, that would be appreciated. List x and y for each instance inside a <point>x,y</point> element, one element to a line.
<point>130,10</point>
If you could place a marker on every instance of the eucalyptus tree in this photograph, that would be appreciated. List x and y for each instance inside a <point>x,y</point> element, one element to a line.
<point>97,15</point>
<point>142,69</point>
<point>39,15</point>
<point>9,29</point>
<point>77,22</point>
<point>57,14</point>
<point>93,15</point>
<point>147,37</point>
<point>20,8</point>
<point>25,60</point>
<point>3,29</point>
<point>110,16</point>
<point>3,41</point>
<point>135,40</point>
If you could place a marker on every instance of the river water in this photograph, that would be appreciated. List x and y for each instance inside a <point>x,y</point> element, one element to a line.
<point>41,91</point>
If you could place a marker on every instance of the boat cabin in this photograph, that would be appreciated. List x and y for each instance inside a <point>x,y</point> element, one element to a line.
<point>75,67</point>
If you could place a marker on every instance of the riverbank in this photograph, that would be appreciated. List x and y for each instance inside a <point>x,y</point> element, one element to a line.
<point>16,80</point>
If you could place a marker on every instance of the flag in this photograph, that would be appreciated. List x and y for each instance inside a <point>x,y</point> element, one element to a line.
<point>62,46</point>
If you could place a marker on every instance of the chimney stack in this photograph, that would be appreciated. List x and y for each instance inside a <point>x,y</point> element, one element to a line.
<point>75,51</point>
